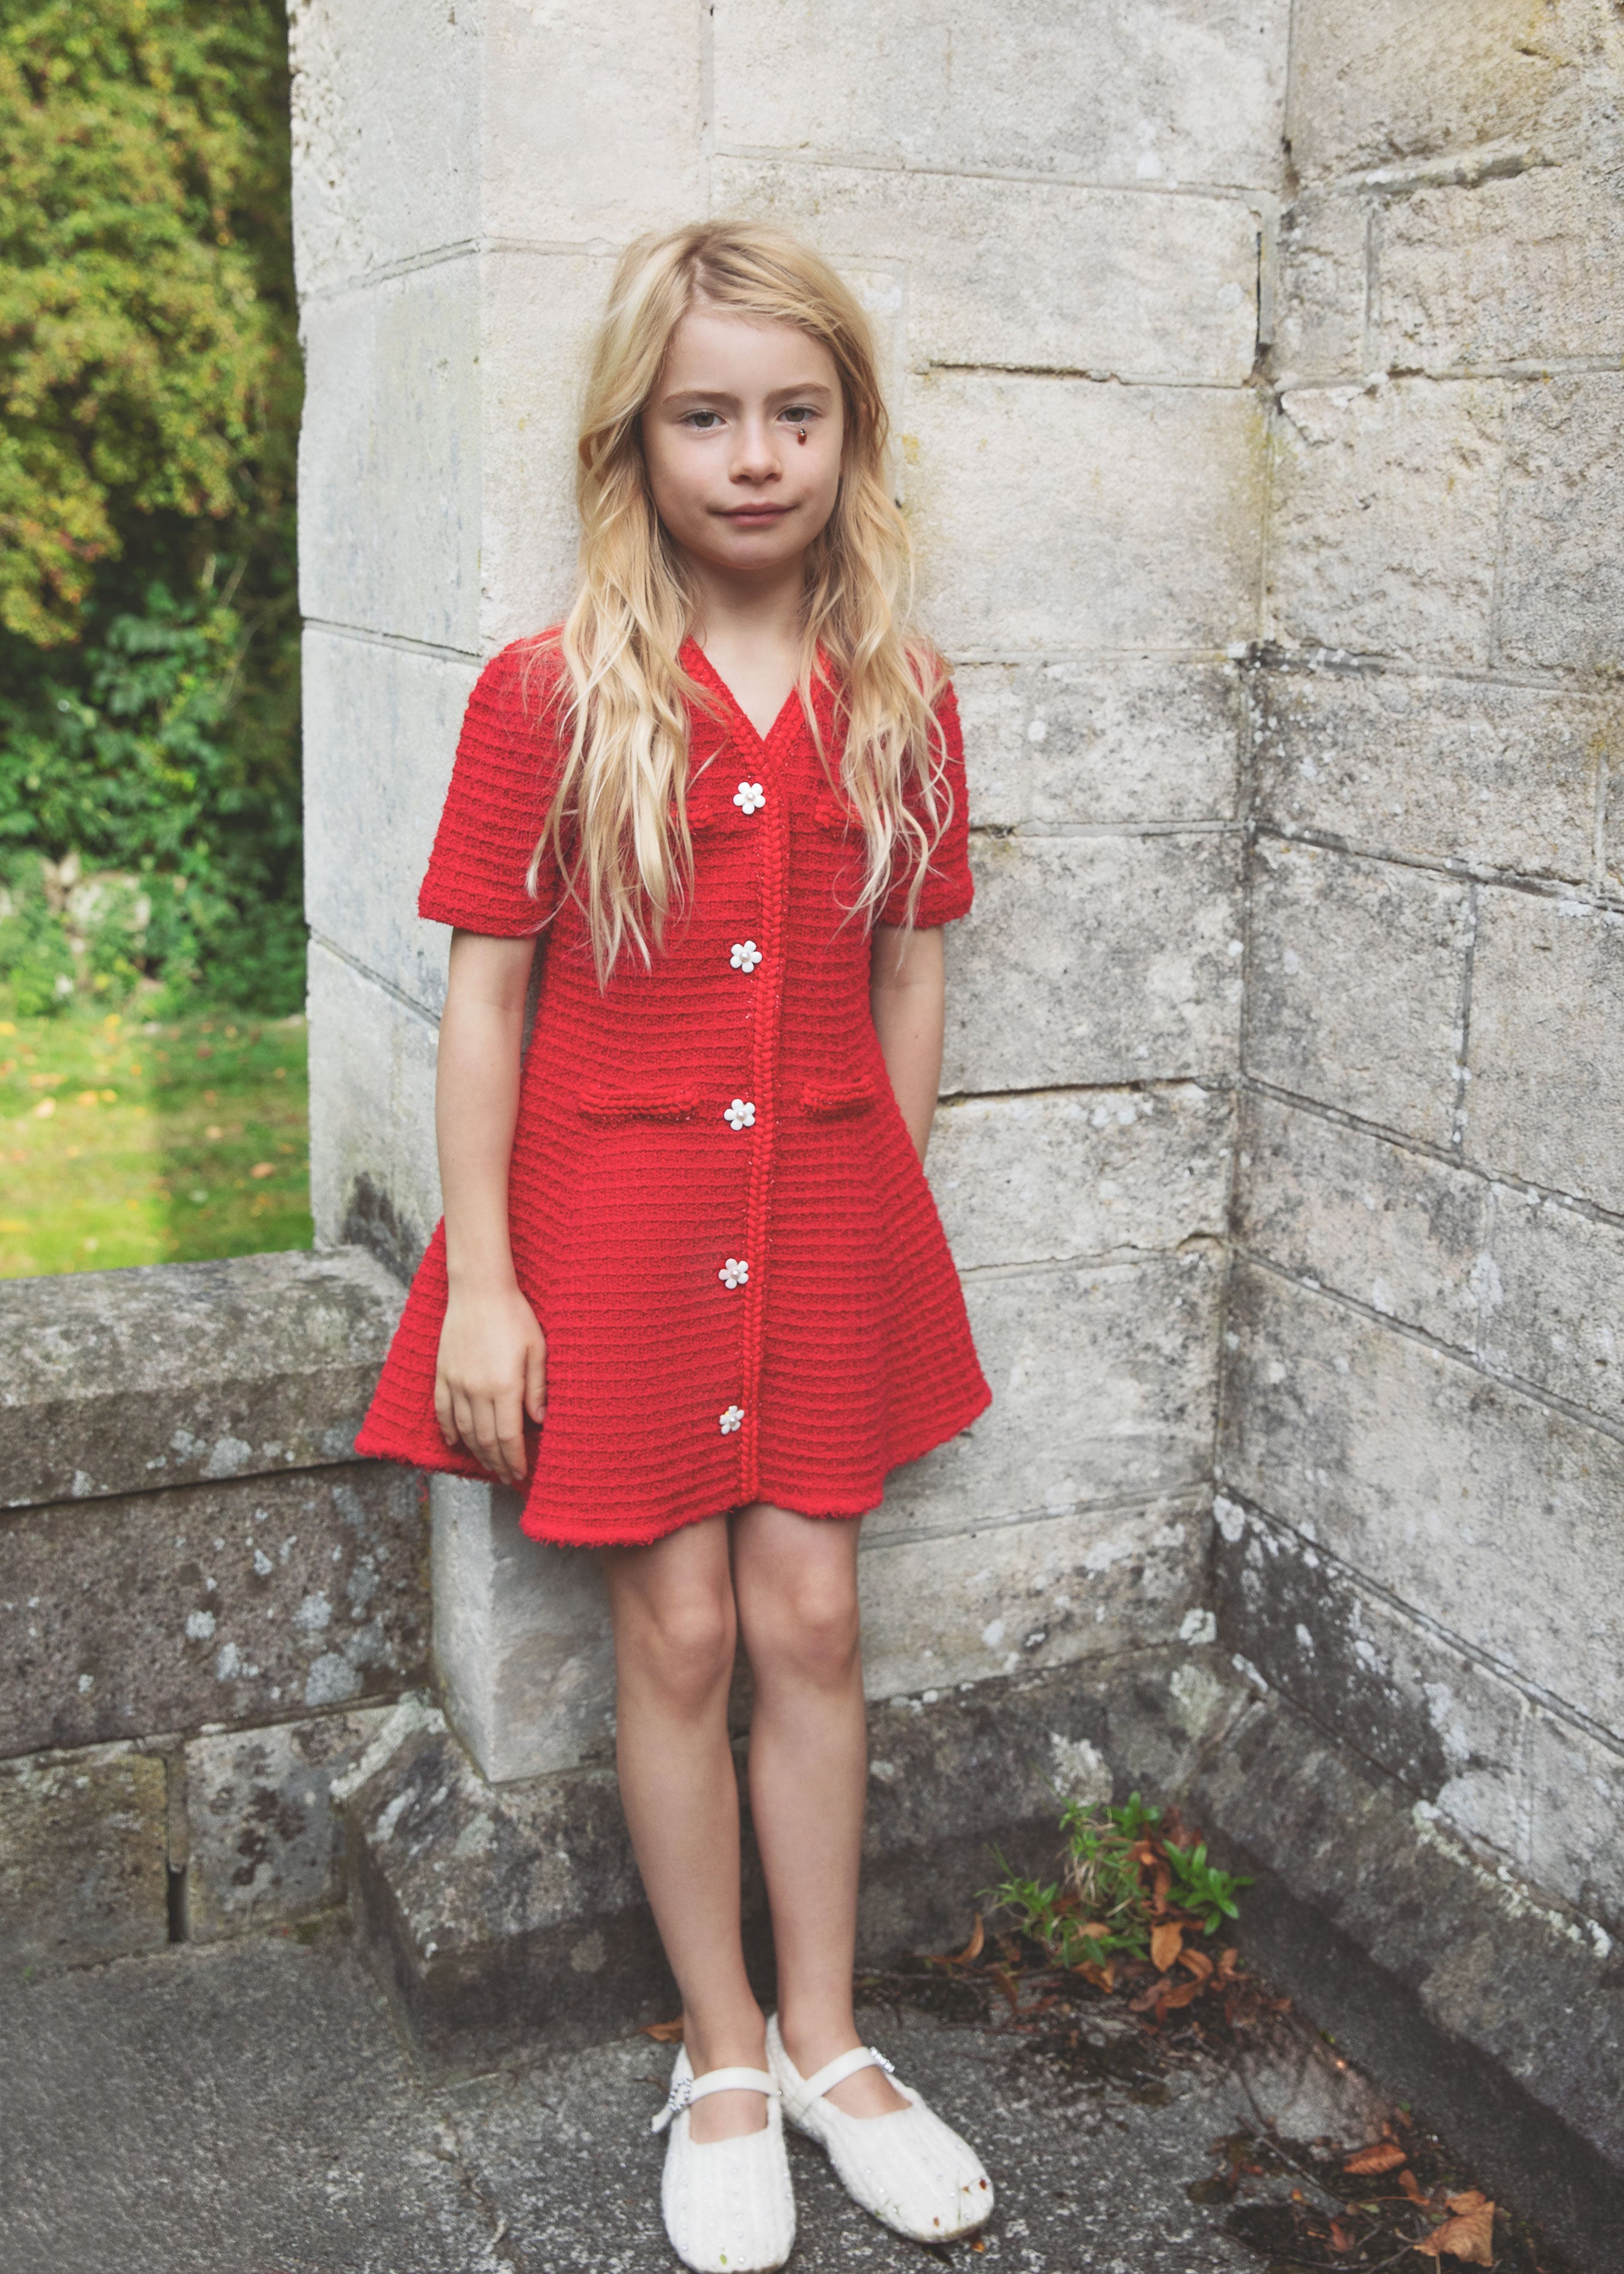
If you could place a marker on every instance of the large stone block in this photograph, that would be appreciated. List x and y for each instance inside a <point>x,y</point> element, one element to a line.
<point>84,1872</point>
<point>375,1178</point>
<point>1168,289</point>
<point>1575,1794</point>
<point>1400,1231</point>
<point>1321,288</point>
<point>1102,1391</point>
<point>1095,959</point>
<point>1075,743</point>
<point>1526,270</point>
<point>215,1603</point>
<point>1385,518</point>
<point>386,135</point>
<point>1554,1301</point>
<point>1393,79</point>
<point>522,1638</point>
<point>1053,513</point>
<point>1092,1584</point>
<point>1502,777</point>
<point>1122,92</point>
<point>390,457</point>
<point>1562,589</point>
<point>265,1842</point>
<point>381,732</point>
<point>1395,1691</point>
<point>1357,969</point>
<point>1492,1516</point>
<point>114,1381</point>
<point>1059,1175</point>
<point>1547,1098</point>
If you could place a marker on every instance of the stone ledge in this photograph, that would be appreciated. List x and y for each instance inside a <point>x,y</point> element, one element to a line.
<point>118,1382</point>
<point>84,1859</point>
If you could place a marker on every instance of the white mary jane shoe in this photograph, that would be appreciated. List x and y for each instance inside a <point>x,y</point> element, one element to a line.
<point>908,2168</point>
<point>728,2203</point>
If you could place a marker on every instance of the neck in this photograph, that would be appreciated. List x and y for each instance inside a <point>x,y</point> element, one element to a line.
<point>763,608</point>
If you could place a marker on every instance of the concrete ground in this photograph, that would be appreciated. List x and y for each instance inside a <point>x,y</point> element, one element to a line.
<point>247,2109</point>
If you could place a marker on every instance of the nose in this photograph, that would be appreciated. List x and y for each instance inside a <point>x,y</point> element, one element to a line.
<point>756,457</point>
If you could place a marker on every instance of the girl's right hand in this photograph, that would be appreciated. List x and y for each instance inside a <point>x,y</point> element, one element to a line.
<point>492,1372</point>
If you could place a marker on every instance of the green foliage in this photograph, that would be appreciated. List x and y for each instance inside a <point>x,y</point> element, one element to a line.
<point>149,371</point>
<point>1126,1870</point>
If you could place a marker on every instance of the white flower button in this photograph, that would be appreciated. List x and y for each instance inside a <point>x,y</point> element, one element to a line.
<point>735,1272</point>
<point>740,1115</point>
<point>749,797</point>
<point>746,955</point>
<point>732,1419</point>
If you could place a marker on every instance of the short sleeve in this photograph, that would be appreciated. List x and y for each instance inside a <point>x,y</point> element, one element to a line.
<point>501,784</point>
<point>947,889</point>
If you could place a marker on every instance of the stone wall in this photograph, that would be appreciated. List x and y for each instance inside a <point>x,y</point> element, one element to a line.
<point>206,1604</point>
<point>1422,1455</point>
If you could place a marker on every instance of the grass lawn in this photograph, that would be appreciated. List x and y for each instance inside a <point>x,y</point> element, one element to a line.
<point>124,1140</point>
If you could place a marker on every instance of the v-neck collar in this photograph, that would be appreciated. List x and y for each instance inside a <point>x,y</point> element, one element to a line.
<point>695,659</point>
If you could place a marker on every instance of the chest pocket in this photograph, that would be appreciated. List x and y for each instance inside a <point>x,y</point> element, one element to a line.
<point>832,817</point>
<point>598,1102</point>
<point>838,1101</point>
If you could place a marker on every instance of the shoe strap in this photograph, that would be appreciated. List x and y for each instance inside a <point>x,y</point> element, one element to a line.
<point>687,2089</point>
<point>837,2071</point>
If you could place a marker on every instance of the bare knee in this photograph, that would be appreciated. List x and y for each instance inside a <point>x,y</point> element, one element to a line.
<point>804,1624</point>
<point>679,1643</point>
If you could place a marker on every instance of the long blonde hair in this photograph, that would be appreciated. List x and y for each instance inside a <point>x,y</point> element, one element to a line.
<point>617,824</point>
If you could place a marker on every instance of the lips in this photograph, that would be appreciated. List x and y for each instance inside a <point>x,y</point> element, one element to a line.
<point>756,512</point>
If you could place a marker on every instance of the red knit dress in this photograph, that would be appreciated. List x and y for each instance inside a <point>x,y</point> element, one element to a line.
<point>716,1211</point>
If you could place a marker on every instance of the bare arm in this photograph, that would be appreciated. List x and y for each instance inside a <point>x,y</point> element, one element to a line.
<point>908,995</point>
<point>491,1369</point>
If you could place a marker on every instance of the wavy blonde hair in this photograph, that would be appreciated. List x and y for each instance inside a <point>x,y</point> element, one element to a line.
<point>617,824</point>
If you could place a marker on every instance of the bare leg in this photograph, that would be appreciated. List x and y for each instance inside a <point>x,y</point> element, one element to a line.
<point>795,1583</point>
<point>674,1630</point>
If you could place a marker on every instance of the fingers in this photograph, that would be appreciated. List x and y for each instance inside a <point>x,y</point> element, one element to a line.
<point>536,1380</point>
<point>442,1408</point>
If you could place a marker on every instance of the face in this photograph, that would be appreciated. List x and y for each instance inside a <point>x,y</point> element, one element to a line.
<point>741,438</point>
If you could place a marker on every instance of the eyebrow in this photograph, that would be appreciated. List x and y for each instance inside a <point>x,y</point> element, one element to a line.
<point>692,396</point>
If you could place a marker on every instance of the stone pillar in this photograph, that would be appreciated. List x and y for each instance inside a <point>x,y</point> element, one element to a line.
<point>1055,215</point>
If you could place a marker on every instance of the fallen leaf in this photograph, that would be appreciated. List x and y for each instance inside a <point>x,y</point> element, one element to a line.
<point>1469,2236</point>
<point>1382,2156</point>
<point>1183,1994</point>
<point>1199,1963</point>
<point>972,1949</point>
<point>1412,2187</point>
<point>88,1097</point>
<point>44,1110</point>
<point>665,2033</point>
<point>1011,1988</point>
<point>1166,1941</point>
<point>263,1169</point>
<point>1341,2238</point>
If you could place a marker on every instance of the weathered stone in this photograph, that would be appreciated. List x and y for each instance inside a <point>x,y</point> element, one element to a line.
<point>374,1179</point>
<point>1435,768</point>
<point>84,1869</point>
<point>1056,1175</point>
<point>215,1603</point>
<point>390,457</point>
<point>1490,1515</point>
<point>1546,1099</point>
<point>1168,292</point>
<point>1562,592</point>
<point>1386,1686</point>
<point>114,1382</point>
<point>1409,79</point>
<point>1119,93</point>
<point>1163,551</point>
<point>395,714</point>
<point>1385,518</point>
<point>1519,271</point>
<point>1400,1231</point>
<point>1092,1584</point>
<point>1357,969</point>
<point>522,1638</point>
<point>1553,1303</point>
<point>1044,990</point>
<point>1074,743</point>
<point>1575,1800</point>
<point>1102,1391</point>
<point>1320,313</point>
<point>266,1846</point>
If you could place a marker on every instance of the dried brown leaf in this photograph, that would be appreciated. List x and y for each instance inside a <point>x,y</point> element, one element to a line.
<point>1382,2156</point>
<point>1011,1988</point>
<point>665,2033</point>
<point>972,1950</point>
<point>1183,1993</point>
<point>1166,1941</point>
<point>1340,2238</point>
<point>1199,1963</point>
<point>1469,2236</point>
<point>1412,2187</point>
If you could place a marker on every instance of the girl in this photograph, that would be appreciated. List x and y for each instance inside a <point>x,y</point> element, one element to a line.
<point>690,1292</point>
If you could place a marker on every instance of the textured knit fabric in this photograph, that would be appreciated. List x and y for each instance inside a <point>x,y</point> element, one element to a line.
<point>715,1210</point>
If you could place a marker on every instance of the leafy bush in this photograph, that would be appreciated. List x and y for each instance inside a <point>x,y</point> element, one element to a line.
<point>150,378</point>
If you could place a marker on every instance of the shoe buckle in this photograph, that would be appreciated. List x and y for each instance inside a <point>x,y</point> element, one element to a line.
<point>889,2068</point>
<point>681,2092</point>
